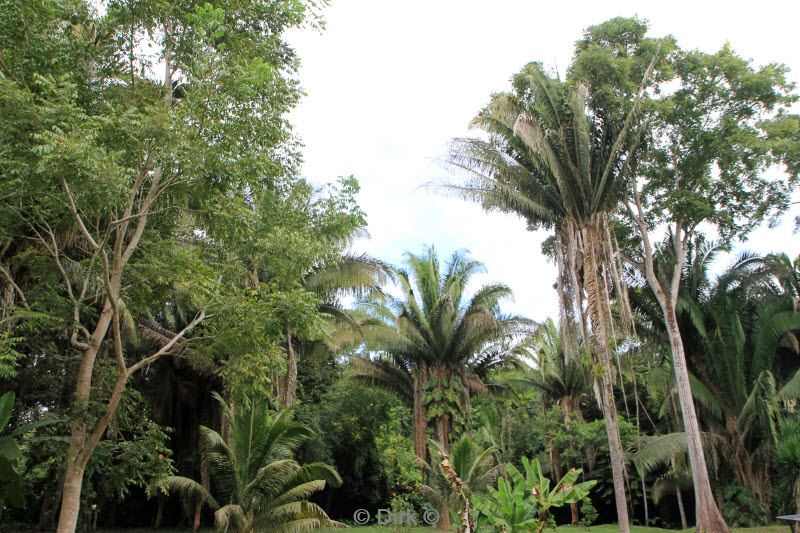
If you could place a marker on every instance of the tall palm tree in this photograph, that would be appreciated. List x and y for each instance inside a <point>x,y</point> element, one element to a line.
<point>561,167</point>
<point>255,482</point>
<point>434,336</point>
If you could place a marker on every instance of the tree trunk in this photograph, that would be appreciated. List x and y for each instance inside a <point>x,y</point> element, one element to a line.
<point>709,519</point>
<point>162,500</point>
<point>444,520</point>
<point>75,467</point>
<point>443,432</point>
<point>420,421</point>
<point>443,420</point>
<point>597,298</point>
<point>644,499</point>
<point>71,498</point>
<point>198,507</point>
<point>615,453</point>
<point>681,509</point>
<point>289,391</point>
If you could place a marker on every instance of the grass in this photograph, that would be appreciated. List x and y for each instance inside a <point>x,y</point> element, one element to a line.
<point>606,528</point>
<point>612,528</point>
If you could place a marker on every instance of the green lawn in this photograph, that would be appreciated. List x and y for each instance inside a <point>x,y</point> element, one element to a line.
<point>612,528</point>
<point>608,528</point>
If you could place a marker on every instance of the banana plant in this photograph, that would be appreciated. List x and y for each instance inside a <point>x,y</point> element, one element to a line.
<point>522,503</point>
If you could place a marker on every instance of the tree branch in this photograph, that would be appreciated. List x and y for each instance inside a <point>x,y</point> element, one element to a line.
<point>169,345</point>
<point>74,210</point>
<point>16,287</point>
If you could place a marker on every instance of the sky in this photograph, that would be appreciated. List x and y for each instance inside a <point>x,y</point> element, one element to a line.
<point>388,83</point>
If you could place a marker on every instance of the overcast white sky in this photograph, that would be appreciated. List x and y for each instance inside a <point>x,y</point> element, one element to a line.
<point>390,82</point>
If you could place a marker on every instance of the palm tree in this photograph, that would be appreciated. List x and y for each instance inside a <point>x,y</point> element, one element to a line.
<point>562,168</point>
<point>475,466</point>
<point>434,337</point>
<point>255,482</point>
<point>348,276</point>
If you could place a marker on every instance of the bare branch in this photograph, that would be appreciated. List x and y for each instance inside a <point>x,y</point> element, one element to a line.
<point>17,289</point>
<point>74,210</point>
<point>169,345</point>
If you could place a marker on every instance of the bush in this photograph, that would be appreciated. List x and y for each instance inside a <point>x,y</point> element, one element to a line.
<point>741,509</point>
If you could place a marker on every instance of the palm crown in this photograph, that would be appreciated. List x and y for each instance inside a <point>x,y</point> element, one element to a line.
<point>255,481</point>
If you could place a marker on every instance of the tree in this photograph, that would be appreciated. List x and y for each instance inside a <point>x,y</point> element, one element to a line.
<point>436,339</point>
<point>560,166</point>
<point>257,483</point>
<point>113,168</point>
<point>714,125</point>
<point>733,331</point>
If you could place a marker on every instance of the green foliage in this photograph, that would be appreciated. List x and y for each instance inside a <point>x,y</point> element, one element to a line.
<point>475,466</point>
<point>256,483</point>
<point>351,420</point>
<point>741,509</point>
<point>134,454</point>
<point>10,455</point>
<point>396,451</point>
<point>523,502</point>
<point>588,513</point>
<point>787,463</point>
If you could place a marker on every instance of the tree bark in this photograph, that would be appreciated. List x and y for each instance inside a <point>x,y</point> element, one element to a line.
<point>420,421</point>
<point>70,497</point>
<point>596,297</point>
<point>76,466</point>
<point>443,420</point>
<point>443,431</point>
<point>289,392</point>
<point>681,509</point>
<point>709,519</point>
<point>444,520</point>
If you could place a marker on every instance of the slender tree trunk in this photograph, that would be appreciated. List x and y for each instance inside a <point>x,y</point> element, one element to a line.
<point>597,311</point>
<point>420,419</point>
<point>76,466</point>
<point>198,507</point>
<point>289,392</point>
<point>443,420</point>
<point>568,410</point>
<point>71,497</point>
<point>681,508</point>
<point>162,500</point>
<point>644,499</point>
<point>709,519</point>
